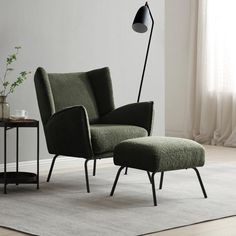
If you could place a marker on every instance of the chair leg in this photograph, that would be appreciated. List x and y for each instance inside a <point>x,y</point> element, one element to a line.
<point>94,166</point>
<point>149,176</point>
<point>161,180</point>
<point>153,189</point>
<point>51,168</point>
<point>126,170</point>
<point>116,180</point>
<point>86,175</point>
<point>201,183</point>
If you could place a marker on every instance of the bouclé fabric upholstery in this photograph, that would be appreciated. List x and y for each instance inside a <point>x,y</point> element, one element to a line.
<point>106,136</point>
<point>159,154</point>
<point>79,116</point>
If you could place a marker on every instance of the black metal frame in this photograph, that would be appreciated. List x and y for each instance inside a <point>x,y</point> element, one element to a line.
<point>149,176</point>
<point>201,183</point>
<point>51,167</point>
<point>126,170</point>
<point>152,180</point>
<point>86,175</point>
<point>153,189</point>
<point>116,180</point>
<point>18,177</point>
<point>161,180</point>
<point>85,170</point>
<point>94,166</point>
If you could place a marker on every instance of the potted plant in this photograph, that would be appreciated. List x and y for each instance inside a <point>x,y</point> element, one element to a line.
<point>7,87</point>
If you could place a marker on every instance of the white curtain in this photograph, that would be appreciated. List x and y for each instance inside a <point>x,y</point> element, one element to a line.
<point>212,76</point>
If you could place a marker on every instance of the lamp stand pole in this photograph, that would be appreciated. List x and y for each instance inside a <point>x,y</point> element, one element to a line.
<point>146,57</point>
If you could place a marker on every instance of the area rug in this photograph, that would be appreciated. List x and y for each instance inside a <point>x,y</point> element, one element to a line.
<point>62,207</point>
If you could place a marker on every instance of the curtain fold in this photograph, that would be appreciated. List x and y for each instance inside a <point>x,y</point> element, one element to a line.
<point>211,111</point>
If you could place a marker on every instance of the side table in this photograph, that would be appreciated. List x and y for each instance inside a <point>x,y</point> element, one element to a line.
<point>17,177</point>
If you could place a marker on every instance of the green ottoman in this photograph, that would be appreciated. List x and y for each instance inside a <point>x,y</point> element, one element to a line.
<point>159,154</point>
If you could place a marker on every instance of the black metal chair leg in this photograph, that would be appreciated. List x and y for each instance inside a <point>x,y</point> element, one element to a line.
<point>153,189</point>
<point>86,175</point>
<point>201,183</point>
<point>161,180</point>
<point>126,170</point>
<point>116,180</point>
<point>94,167</point>
<point>149,176</point>
<point>51,168</point>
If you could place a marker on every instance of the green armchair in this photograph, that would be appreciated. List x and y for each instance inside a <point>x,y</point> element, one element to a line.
<point>79,118</point>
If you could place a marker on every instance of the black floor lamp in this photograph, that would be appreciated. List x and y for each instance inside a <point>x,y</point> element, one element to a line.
<point>140,25</point>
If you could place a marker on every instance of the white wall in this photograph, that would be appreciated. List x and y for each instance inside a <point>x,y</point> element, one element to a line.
<point>76,35</point>
<point>177,64</point>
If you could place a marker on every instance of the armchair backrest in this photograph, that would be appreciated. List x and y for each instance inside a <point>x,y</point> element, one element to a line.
<point>91,89</point>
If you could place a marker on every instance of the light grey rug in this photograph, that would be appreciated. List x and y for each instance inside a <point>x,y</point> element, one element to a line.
<point>62,207</point>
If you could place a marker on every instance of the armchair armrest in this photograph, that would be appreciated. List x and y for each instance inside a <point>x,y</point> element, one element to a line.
<point>139,114</point>
<point>68,133</point>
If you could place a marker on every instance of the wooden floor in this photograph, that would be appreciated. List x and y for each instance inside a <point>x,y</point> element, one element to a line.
<point>8,232</point>
<point>222,227</point>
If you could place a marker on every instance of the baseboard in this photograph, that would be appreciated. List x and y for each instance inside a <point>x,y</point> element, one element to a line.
<point>175,133</point>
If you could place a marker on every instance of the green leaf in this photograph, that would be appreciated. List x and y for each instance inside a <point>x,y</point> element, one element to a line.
<point>19,80</point>
<point>5,84</point>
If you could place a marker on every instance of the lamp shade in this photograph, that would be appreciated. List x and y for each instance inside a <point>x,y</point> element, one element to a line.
<point>141,20</point>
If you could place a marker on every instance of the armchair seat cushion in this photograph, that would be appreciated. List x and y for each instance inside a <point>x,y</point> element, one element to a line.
<point>105,137</point>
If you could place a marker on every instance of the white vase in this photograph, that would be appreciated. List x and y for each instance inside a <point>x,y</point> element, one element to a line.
<point>4,108</point>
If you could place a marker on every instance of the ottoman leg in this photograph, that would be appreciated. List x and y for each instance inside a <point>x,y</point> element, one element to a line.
<point>161,180</point>
<point>149,176</point>
<point>86,175</point>
<point>94,166</point>
<point>201,183</point>
<point>153,189</point>
<point>126,170</point>
<point>116,180</point>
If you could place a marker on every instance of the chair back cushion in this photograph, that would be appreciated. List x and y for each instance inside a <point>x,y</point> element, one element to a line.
<point>57,91</point>
<point>73,89</point>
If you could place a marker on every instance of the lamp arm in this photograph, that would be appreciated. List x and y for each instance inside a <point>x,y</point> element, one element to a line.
<point>146,57</point>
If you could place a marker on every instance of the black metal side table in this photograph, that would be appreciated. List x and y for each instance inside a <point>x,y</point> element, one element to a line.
<point>17,177</point>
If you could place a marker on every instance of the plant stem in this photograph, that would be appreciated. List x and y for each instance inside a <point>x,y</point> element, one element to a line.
<point>3,80</point>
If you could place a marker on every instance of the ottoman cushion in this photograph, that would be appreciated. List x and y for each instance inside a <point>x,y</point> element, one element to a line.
<point>157,154</point>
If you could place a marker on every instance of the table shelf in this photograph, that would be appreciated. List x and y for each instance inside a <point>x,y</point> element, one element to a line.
<point>18,177</point>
